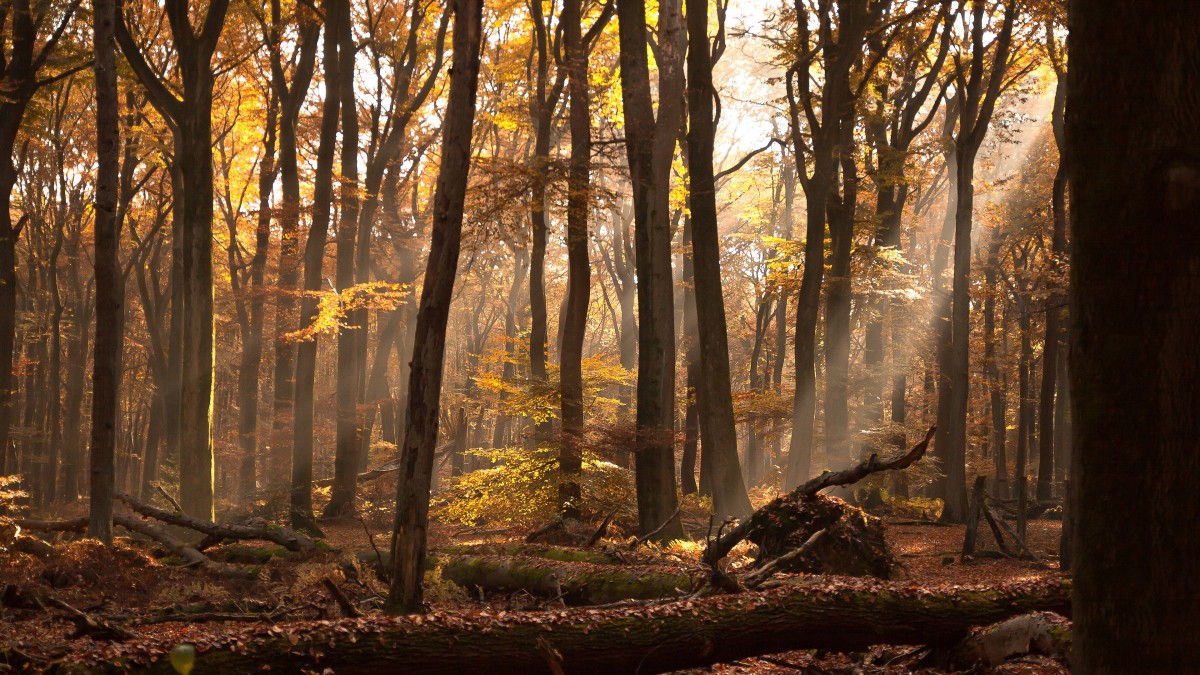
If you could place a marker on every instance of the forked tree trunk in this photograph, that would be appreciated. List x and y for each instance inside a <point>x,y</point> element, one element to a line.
<point>291,97</point>
<point>1135,331</point>
<point>650,146</point>
<point>314,256</point>
<point>983,83</point>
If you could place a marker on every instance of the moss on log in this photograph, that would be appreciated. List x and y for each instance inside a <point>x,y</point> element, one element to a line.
<point>559,553</point>
<point>575,583</point>
<point>821,614</point>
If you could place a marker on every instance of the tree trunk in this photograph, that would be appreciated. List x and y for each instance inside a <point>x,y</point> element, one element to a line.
<point>314,258</point>
<point>991,364</point>
<point>110,292</point>
<point>653,639</point>
<point>1048,473</point>
<point>425,383</point>
<point>1135,331</point>
<point>291,98</point>
<point>717,426</point>
<point>251,319</point>
<point>349,337</point>
<point>976,103</point>
<point>576,583</point>
<point>579,277</point>
<point>650,146</point>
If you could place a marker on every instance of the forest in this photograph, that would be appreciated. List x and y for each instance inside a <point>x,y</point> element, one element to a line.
<point>573,336</point>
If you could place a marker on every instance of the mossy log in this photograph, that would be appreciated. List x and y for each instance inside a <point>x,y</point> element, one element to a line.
<point>822,614</point>
<point>559,553</point>
<point>575,583</point>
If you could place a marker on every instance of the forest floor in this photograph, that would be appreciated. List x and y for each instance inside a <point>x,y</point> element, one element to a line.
<point>126,588</point>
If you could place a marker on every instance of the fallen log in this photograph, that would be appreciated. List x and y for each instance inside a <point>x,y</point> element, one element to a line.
<point>1033,633</point>
<point>285,537</point>
<point>574,583</point>
<point>720,547</point>
<point>822,613</point>
<point>189,555</point>
<point>559,553</point>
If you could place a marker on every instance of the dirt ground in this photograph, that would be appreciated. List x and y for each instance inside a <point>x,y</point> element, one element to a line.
<point>130,588</point>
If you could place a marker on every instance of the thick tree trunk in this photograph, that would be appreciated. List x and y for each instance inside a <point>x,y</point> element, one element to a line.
<point>717,425</point>
<point>1135,331</point>
<point>425,383</point>
<point>654,639</point>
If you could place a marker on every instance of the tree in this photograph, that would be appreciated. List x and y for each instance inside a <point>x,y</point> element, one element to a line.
<point>650,147</point>
<point>717,426</point>
<point>1135,331</point>
<point>425,381</point>
<point>977,88</point>
<point>314,258</point>
<point>349,367</point>
<point>190,119</point>
<point>291,98</point>
<point>110,292</point>
<point>21,62</point>
<point>579,267</point>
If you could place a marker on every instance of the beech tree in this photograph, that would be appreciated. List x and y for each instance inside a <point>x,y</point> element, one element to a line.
<point>425,381</point>
<point>1135,328</point>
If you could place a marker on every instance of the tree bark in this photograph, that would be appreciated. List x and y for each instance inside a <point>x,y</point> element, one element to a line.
<point>981,87</point>
<point>425,380</point>
<point>650,146</point>
<point>651,639</point>
<point>349,335</point>
<point>291,98</point>
<point>570,459</point>
<point>1135,331</point>
<point>110,311</point>
<point>717,425</point>
<point>314,257</point>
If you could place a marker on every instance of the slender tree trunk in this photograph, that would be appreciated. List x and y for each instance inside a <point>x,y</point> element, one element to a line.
<point>425,383</point>
<point>976,102</point>
<point>314,257</point>
<point>996,390</point>
<point>110,293</point>
<point>717,425</point>
<point>291,99</point>
<point>349,342</point>
<point>837,310</point>
<point>252,326</point>
<point>1135,332</point>
<point>1047,471</point>
<point>578,265</point>
<point>691,358</point>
